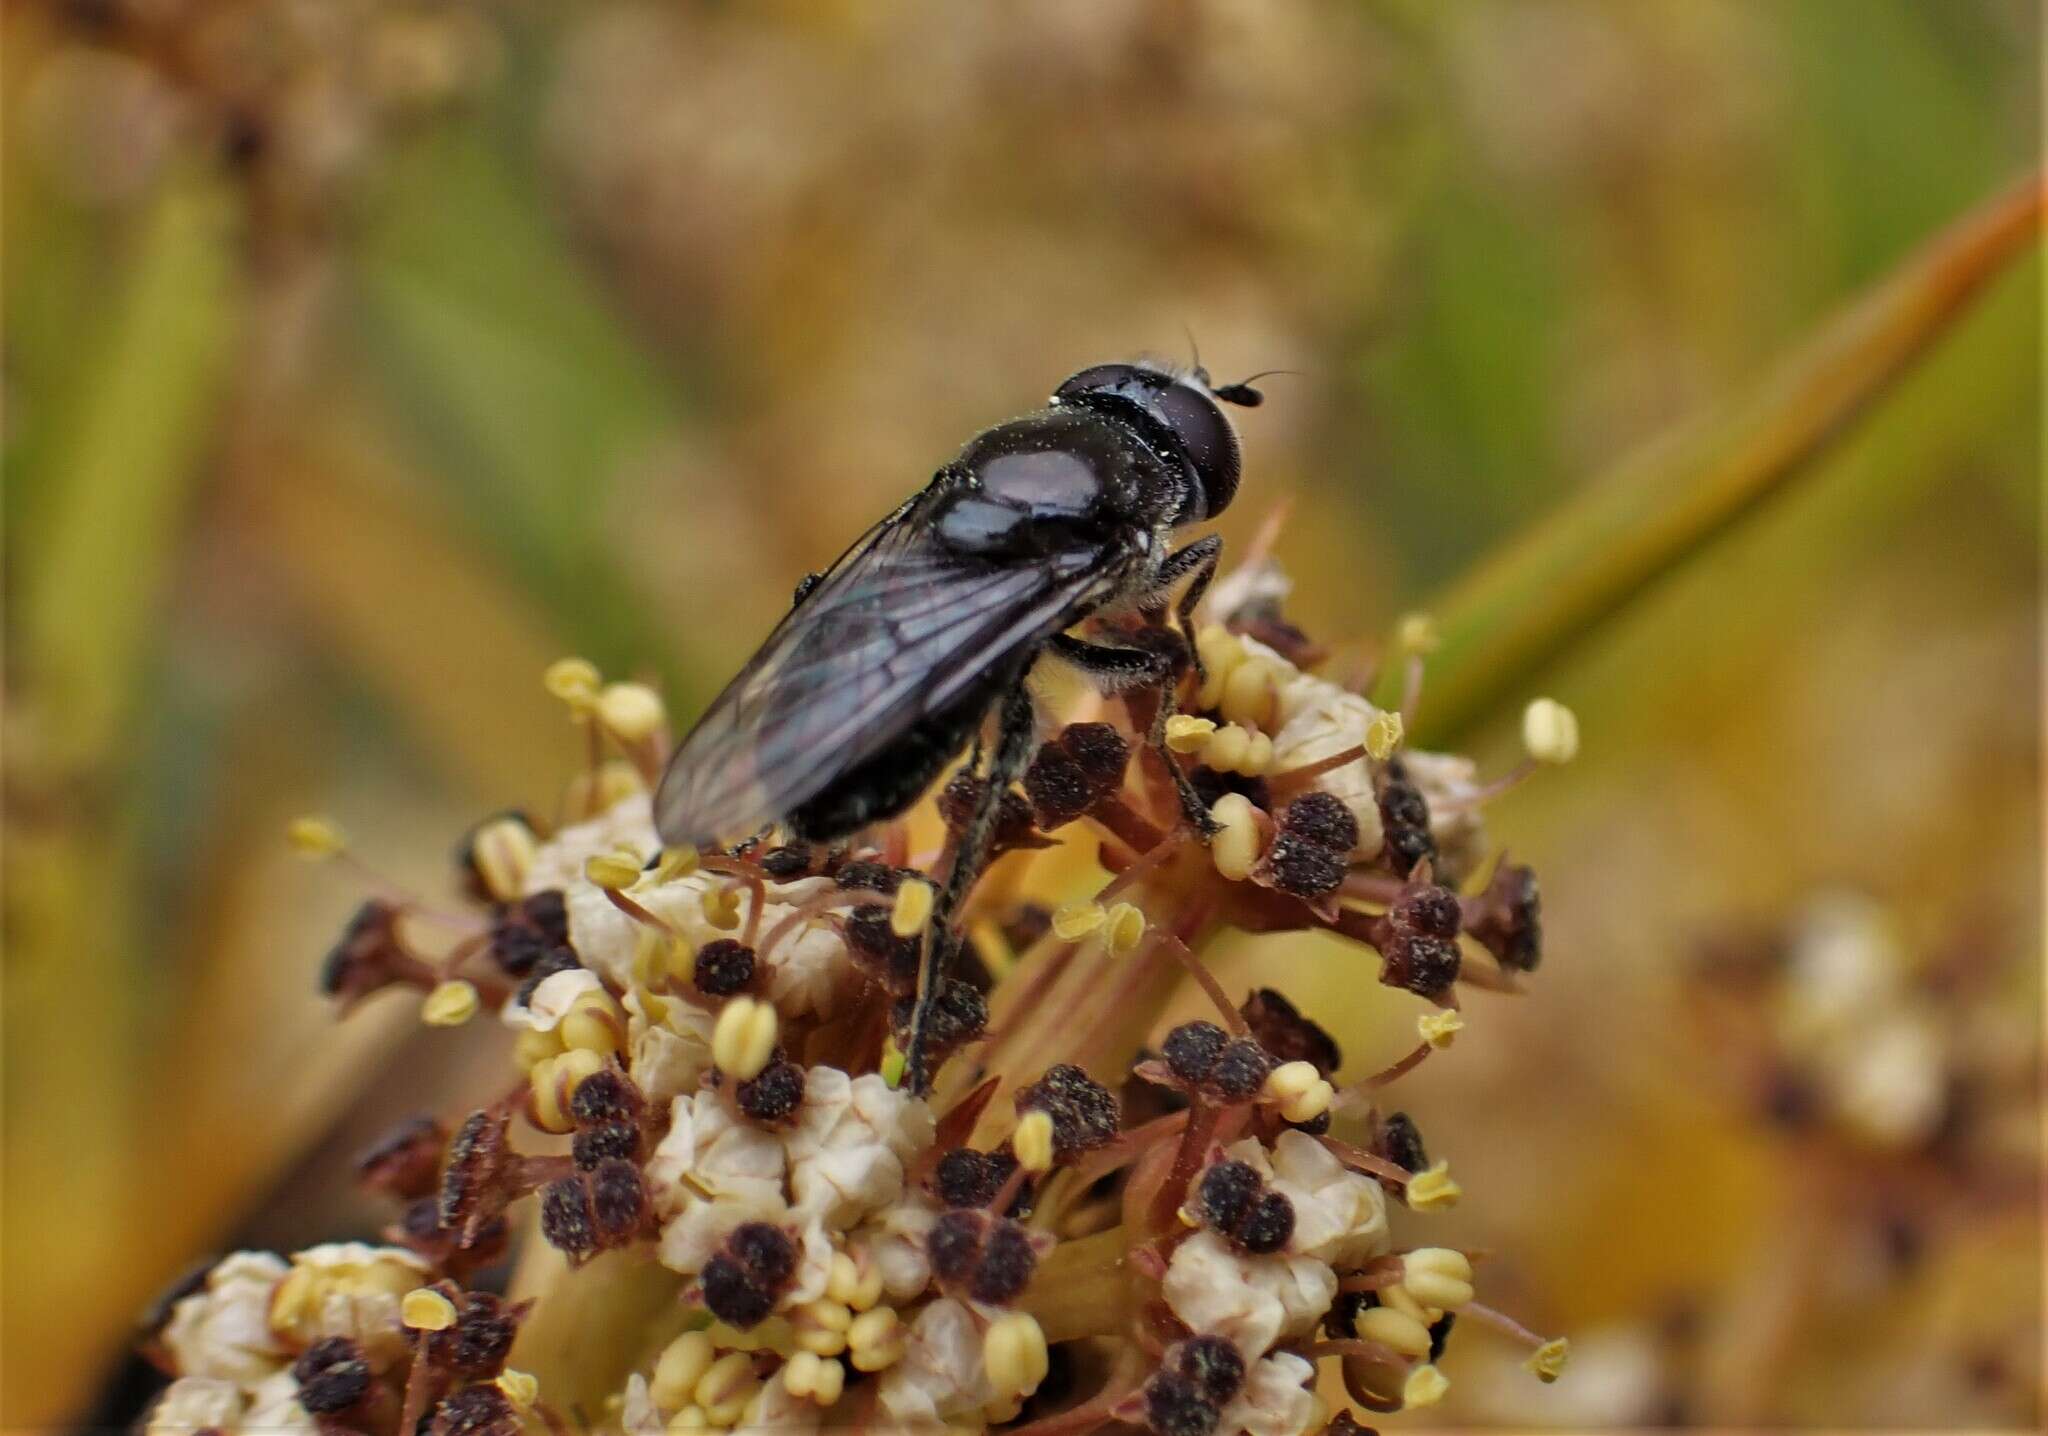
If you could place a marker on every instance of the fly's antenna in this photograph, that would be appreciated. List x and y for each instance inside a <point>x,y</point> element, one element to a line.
<point>1243,394</point>
<point>1195,350</point>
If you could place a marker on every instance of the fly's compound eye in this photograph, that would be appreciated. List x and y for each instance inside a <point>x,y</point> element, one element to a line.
<point>1208,438</point>
<point>1185,411</point>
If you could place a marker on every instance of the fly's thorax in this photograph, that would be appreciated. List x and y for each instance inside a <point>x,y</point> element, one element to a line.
<point>1039,482</point>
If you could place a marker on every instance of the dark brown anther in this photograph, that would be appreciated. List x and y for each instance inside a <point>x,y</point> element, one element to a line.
<point>1340,1322</point>
<point>1320,818</point>
<point>1174,1406</point>
<point>481,1410</point>
<point>1100,751</point>
<point>967,1178</point>
<point>1240,1070</point>
<point>526,933</point>
<point>1013,829</point>
<point>618,1201</point>
<point>1404,816</point>
<point>724,967</point>
<point>889,960</point>
<point>1345,1424</point>
<point>1212,1363</point>
<point>1286,1034</point>
<point>607,1095</point>
<point>870,877</point>
<point>772,1098</point>
<point>370,957</point>
<point>991,1258</point>
<point>333,1376</point>
<point>597,1143</point>
<point>789,862</point>
<point>566,1219</point>
<point>554,960</point>
<point>406,1161</point>
<point>1234,1201</point>
<point>1084,1113</point>
<point>742,1282</point>
<point>1191,1049</point>
<point>1507,919</point>
<point>476,1346</point>
<point>473,1184</point>
<point>959,1014</point>
<point>1399,1140</point>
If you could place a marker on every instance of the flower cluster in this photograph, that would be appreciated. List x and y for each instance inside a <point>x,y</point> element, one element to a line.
<point>1085,1222</point>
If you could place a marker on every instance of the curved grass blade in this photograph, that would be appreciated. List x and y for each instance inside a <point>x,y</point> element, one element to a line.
<point>1552,585</point>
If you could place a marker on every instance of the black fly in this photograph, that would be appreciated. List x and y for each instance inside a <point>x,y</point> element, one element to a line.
<point>894,658</point>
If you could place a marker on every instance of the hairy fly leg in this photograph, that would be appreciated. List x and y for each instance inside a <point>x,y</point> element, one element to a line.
<point>1127,667</point>
<point>1199,559</point>
<point>1015,729</point>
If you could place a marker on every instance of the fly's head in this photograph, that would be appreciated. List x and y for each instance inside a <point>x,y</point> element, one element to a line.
<point>1179,412</point>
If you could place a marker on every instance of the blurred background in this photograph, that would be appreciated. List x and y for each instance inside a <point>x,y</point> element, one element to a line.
<point>363,356</point>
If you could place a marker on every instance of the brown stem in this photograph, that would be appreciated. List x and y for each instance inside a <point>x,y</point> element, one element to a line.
<point>1361,1160</point>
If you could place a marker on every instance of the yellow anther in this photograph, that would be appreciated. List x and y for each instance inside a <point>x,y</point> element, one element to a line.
<point>1395,1330</point>
<point>1299,1091</point>
<point>595,1022</point>
<point>1234,849</point>
<point>997,1412</point>
<point>1438,1277</point>
<point>1398,1298</point>
<point>1417,633</point>
<point>690,1421</point>
<point>726,1387</point>
<point>1433,1190</point>
<point>1425,1386</point>
<point>1249,692</point>
<point>1439,1028</point>
<point>1221,652</point>
<point>315,838</point>
<point>632,712</point>
<point>743,1041</point>
<point>810,1377</point>
<point>1226,751</point>
<point>1076,920</point>
<point>676,863</point>
<point>1547,1361</point>
<point>554,1081</point>
<point>1013,1353</point>
<point>1187,733</point>
<point>721,907</point>
<point>1383,735</point>
<point>533,1047</point>
<point>1258,756</point>
<point>1550,731</point>
<point>875,1340</point>
<point>912,909</point>
<point>573,680</point>
<point>450,1004</point>
<point>1123,928</point>
<point>425,1309</point>
<point>661,959</point>
<point>842,1279</point>
<point>893,1063</point>
<point>870,1289</point>
<point>616,781</point>
<point>820,1326</point>
<point>502,852</point>
<point>679,1368</point>
<point>521,1388</point>
<point>613,871</point>
<point>1032,1141</point>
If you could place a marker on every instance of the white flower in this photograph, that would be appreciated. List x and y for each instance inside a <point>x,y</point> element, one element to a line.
<point>349,1289</point>
<point>1253,1301</point>
<point>665,1054</point>
<point>551,999</point>
<point>1340,1217</point>
<point>274,1406</point>
<point>709,1153</point>
<point>1318,719</point>
<point>895,1240</point>
<point>1275,1399</point>
<point>941,1373</point>
<point>195,1403</point>
<point>223,1332</point>
<point>638,1415</point>
<point>850,1142</point>
<point>558,862</point>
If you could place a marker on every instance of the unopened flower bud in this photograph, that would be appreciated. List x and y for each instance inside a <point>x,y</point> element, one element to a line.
<point>876,1339</point>
<point>1014,1354</point>
<point>679,1368</point>
<point>1237,842</point>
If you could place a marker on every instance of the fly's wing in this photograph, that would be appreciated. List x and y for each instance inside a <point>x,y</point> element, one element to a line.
<point>897,630</point>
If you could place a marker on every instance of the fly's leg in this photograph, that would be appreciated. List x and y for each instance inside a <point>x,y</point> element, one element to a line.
<point>1123,667</point>
<point>1012,755</point>
<point>1199,559</point>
